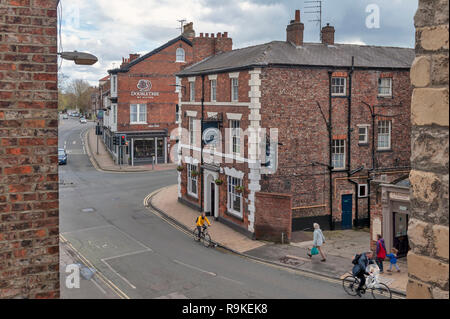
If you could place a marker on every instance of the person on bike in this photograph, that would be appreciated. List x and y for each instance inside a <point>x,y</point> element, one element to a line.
<point>201,224</point>
<point>359,270</point>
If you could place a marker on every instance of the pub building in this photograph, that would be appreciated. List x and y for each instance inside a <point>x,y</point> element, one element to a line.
<point>144,96</point>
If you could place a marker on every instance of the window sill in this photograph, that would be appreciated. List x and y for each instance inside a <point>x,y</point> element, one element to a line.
<point>192,195</point>
<point>339,170</point>
<point>389,150</point>
<point>339,95</point>
<point>363,144</point>
<point>234,214</point>
<point>385,97</point>
<point>138,123</point>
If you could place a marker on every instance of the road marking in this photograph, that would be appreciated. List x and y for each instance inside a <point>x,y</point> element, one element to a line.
<point>85,229</point>
<point>102,277</point>
<point>229,279</point>
<point>195,268</point>
<point>128,254</point>
<point>122,277</point>
<point>98,286</point>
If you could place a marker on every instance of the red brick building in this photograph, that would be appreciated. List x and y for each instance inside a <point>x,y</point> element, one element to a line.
<point>29,213</point>
<point>315,101</point>
<point>144,95</point>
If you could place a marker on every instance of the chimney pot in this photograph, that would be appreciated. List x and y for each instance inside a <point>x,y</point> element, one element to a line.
<point>225,34</point>
<point>212,35</point>
<point>219,35</point>
<point>201,34</point>
<point>207,35</point>
<point>295,30</point>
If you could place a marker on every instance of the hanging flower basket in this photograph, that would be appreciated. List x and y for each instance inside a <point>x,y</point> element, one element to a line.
<point>180,168</point>
<point>194,173</point>
<point>239,189</point>
<point>218,181</point>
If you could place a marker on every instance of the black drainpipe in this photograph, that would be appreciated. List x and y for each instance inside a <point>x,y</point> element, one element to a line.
<point>201,144</point>
<point>330,141</point>
<point>349,137</point>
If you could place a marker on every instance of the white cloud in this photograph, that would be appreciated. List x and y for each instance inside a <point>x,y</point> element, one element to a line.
<point>111,29</point>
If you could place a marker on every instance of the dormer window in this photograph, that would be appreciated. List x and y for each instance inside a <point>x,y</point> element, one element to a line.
<point>180,55</point>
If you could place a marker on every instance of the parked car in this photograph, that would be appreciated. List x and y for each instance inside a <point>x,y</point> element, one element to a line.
<point>83,120</point>
<point>65,116</point>
<point>62,156</point>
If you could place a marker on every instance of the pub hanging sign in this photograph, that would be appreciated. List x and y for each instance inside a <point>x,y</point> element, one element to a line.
<point>144,87</point>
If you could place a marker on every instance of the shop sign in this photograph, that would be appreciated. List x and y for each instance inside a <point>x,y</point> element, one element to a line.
<point>144,92</point>
<point>399,196</point>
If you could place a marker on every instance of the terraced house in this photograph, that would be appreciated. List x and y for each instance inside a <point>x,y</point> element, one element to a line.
<point>144,95</point>
<point>336,116</point>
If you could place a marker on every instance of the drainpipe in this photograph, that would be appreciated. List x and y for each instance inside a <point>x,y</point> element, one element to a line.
<point>349,137</point>
<point>201,144</point>
<point>356,203</point>
<point>330,146</point>
<point>349,117</point>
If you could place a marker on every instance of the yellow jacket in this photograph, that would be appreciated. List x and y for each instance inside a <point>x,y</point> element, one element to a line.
<point>201,221</point>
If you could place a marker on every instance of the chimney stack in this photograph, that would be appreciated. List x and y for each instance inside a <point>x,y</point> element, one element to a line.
<point>327,34</point>
<point>188,31</point>
<point>294,31</point>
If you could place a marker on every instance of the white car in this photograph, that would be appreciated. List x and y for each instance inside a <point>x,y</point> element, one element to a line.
<point>83,120</point>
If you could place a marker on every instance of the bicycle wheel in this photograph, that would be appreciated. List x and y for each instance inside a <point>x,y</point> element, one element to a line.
<point>195,234</point>
<point>381,292</point>
<point>350,283</point>
<point>206,239</point>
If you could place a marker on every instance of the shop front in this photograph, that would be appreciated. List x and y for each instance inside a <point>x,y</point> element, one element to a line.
<point>396,207</point>
<point>148,147</point>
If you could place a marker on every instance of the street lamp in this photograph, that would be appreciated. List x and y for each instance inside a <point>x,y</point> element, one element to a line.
<point>80,58</point>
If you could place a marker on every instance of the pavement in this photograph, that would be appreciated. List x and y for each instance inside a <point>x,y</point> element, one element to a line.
<point>102,159</point>
<point>340,246</point>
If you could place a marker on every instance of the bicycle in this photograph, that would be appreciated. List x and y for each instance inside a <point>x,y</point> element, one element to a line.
<point>378,289</point>
<point>205,237</point>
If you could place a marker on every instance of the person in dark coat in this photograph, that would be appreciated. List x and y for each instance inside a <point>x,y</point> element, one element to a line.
<point>359,270</point>
<point>380,253</point>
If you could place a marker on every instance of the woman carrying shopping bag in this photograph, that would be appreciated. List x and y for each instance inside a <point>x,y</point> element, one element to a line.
<point>319,240</point>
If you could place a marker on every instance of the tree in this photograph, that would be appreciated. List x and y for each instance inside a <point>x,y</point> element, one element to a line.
<point>79,93</point>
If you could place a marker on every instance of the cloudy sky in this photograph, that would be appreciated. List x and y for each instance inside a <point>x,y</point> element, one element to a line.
<point>111,29</point>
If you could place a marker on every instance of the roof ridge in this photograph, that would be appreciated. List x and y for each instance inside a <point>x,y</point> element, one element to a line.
<point>154,51</point>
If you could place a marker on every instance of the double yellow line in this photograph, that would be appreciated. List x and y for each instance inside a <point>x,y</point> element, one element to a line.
<point>100,276</point>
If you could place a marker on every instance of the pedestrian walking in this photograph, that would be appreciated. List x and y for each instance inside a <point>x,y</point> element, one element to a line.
<point>319,240</point>
<point>380,253</point>
<point>393,259</point>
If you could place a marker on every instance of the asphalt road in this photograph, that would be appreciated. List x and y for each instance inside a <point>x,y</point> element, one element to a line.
<point>136,254</point>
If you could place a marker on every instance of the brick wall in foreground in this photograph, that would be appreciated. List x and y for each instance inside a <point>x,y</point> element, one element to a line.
<point>29,254</point>
<point>428,226</point>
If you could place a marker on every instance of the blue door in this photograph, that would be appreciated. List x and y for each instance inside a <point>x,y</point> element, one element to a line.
<point>347,211</point>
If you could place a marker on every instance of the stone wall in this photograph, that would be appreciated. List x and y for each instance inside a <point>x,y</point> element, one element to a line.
<point>428,228</point>
<point>29,251</point>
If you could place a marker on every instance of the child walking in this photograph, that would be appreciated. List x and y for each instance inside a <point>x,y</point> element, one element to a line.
<point>393,259</point>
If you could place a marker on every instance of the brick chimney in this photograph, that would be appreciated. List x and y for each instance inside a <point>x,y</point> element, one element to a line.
<point>188,31</point>
<point>208,44</point>
<point>294,31</point>
<point>126,61</point>
<point>327,34</point>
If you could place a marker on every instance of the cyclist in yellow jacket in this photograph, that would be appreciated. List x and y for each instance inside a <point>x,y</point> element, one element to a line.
<point>201,224</point>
